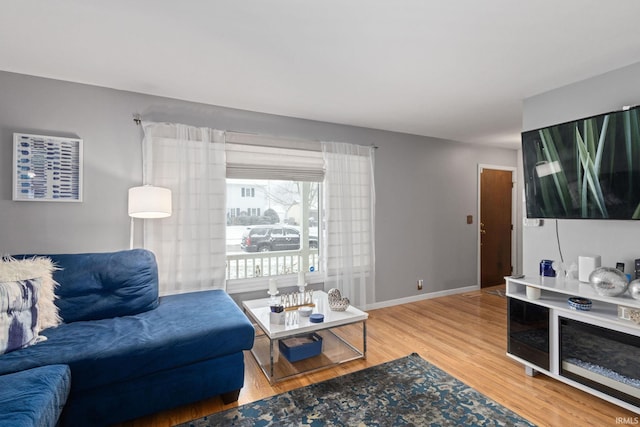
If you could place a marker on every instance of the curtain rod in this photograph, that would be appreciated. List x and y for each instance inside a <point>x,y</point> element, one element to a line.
<point>137,118</point>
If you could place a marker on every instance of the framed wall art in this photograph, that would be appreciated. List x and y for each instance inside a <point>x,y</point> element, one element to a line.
<point>47,168</point>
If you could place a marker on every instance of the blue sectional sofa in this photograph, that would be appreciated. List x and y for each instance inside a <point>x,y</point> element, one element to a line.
<point>130,352</point>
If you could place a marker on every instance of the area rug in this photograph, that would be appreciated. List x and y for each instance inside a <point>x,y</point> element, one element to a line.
<point>405,392</point>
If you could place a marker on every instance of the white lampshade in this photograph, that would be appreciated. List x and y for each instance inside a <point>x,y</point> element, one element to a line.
<point>149,202</point>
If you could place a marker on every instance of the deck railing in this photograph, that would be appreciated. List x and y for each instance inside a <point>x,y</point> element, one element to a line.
<point>264,264</point>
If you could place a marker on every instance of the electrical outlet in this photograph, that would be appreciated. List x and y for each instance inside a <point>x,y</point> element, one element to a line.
<point>420,284</point>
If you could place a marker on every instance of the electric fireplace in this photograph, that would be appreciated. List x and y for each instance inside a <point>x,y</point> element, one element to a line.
<point>603,359</point>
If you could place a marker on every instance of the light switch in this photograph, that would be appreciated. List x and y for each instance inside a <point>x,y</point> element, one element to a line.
<point>532,222</point>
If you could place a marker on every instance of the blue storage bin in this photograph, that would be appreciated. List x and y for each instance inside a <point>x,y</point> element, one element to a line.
<point>301,347</point>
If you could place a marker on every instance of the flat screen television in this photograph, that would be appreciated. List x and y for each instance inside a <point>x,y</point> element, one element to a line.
<point>584,169</point>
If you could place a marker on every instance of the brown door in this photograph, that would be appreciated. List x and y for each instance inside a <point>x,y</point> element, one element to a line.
<point>495,226</point>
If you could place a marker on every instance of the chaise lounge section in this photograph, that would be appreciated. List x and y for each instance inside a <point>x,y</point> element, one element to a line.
<point>34,397</point>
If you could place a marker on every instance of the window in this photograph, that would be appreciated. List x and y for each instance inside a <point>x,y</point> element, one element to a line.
<point>276,232</point>
<point>248,192</point>
<point>284,177</point>
<point>193,248</point>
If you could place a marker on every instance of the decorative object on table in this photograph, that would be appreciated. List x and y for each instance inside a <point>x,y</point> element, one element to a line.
<point>276,308</point>
<point>405,382</point>
<point>609,282</point>
<point>305,311</point>
<point>533,292</point>
<point>316,318</point>
<point>276,314</point>
<point>301,347</point>
<point>273,287</point>
<point>47,168</point>
<point>273,290</point>
<point>295,300</point>
<point>629,313</point>
<point>586,265</point>
<point>148,202</point>
<point>336,301</point>
<point>304,297</point>
<point>546,268</point>
<point>634,289</point>
<point>572,272</point>
<point>579,303</point>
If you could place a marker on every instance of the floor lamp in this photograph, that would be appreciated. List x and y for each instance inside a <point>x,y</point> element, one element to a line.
<point>148,201</point>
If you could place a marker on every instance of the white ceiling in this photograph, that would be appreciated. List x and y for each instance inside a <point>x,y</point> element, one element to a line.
<point>453,69</point>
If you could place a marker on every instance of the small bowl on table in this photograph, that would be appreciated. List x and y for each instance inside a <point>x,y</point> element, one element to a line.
<point>305,311</point>
<point>579,303</point>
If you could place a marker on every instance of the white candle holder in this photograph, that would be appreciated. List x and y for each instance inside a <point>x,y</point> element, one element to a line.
<point>273,288</point>
<point>273,296</point>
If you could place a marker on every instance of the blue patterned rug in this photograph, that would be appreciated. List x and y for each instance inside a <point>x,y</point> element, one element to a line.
<point>405,392</point>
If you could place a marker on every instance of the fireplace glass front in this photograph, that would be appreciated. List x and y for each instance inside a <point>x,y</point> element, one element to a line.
<point>603,359</point>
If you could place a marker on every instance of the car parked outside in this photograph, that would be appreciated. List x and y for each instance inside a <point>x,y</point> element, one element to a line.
<point>265,238</point>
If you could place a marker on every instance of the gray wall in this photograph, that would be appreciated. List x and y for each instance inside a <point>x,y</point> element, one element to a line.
<point>613,240</point>
<point>425,187</point>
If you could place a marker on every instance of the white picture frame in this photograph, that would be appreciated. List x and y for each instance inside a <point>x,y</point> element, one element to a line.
<point>47,168</point>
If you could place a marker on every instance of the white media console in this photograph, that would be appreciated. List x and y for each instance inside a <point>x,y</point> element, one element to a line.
<point>595,351</point>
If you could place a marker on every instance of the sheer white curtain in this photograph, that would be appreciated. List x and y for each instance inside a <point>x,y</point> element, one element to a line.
<point>190,245</point>
<point>349,203</point>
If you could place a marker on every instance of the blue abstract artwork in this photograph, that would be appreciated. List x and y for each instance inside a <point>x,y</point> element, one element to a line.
<point>47,168</point>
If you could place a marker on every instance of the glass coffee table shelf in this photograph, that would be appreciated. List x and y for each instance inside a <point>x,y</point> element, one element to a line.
<point>337,333</point>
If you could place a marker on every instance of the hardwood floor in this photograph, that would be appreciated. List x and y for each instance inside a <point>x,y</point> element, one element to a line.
<point>463,334</point>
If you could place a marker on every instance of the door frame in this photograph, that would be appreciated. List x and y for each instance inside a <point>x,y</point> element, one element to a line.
<point>514,205</point>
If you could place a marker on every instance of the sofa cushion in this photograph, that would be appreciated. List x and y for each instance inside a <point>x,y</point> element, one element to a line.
<point>18,314</point>
<point>184,329</point>
<point>34,397</point>
<point>96,286</point>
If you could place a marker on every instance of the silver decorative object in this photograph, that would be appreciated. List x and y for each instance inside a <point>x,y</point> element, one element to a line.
<point>634,289</point>
<point>293,300</point>
<point>336,302</point>
<point>608,282</point>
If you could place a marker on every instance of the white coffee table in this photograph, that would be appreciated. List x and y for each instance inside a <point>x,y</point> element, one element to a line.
<point>337,341</point>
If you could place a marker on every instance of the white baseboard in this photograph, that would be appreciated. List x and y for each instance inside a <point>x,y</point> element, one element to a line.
<point>241,293</point>
<point>416,298</point>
